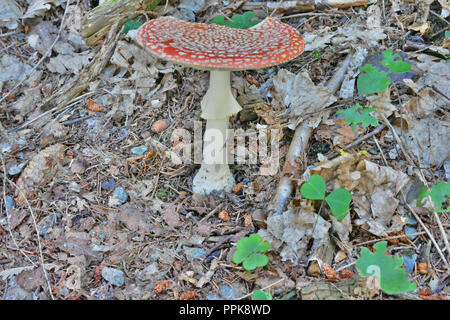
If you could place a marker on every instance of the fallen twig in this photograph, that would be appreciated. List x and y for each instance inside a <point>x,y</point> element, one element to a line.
<point>364,137</point>
<point>98,21</point>
<point>217,245</point>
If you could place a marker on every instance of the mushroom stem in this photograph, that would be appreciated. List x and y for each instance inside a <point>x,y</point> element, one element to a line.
<point>217,106</point>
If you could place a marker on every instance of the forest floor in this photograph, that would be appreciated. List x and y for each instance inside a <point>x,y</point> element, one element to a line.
<point>94,206</point>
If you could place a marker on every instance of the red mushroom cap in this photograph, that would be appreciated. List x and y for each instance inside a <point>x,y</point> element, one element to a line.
<point>211,46</point>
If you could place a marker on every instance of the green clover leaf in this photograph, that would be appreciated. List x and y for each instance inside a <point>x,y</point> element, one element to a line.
<point>261,295</point>
<point>387,269</point>
<point>248,251</point>
<point>397,66</point>
<point>314,189</point>
<point>372,80</point>
<point>238,21</point>
<point>438,193</point>
<point>359,114</point>
<point>339,201</point>
<point>131,25</point>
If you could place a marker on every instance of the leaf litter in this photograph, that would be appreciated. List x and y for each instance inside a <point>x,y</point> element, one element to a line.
<point>71,162</point>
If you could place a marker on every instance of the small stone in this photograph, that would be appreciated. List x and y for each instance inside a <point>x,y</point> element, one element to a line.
<point>45,224</point>
<point>193,253</point>
<point>139,151</point>
<point>16,169</point>
<point>340,256</point>
<point>409,230</point>
<point>10,203</point>
<point>109,184</point>
<point>411,221</point>
<point>160,126</point>
<point>118,198</point>
<point>409,261</point>
<point>113,276</point>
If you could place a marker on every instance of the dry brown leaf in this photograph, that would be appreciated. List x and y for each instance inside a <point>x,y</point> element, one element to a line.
<point>171,216</point>
<point>422,28</point>
<point>94,106</point>
<point>224,216</point>
<point>189,295</point>
<point>329,272</point>
<point>422,267</point>
<point>248,221</point>
<point>162,286</point>
<point>39,171</point>
<point>347,274</point>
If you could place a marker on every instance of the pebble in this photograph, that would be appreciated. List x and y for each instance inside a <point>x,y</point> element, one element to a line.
<point>139,151</point>
<point>113,276</point>
<point>109,184</point>
<point>226,291</point>
<point>409,262</point>
<point>411,221</point>
<point>10,203</point>
<point>192,253</point>
<point>409,230</point>
<point>119,197</point>
<point>45,224</point>
<point>16,169</point>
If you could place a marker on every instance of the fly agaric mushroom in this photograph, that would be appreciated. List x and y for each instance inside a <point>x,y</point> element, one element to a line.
<point>219,49</point>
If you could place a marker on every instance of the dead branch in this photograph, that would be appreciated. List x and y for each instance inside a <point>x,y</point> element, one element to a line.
<point>98,21</point>
<point>303,6</point>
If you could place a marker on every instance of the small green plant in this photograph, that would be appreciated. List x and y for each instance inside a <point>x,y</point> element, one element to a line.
<point>317,55</point>
<point>164,194</point>
<point>438,193</point>
<point>131,25</point>
<point>249,252</point>
<point>338,200</point>
<point>394,62</point>
<point>261,295</point>
<point>373,81</point>
<point>387,269</point>
<point>238,21</point>
<point>359,114</point>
